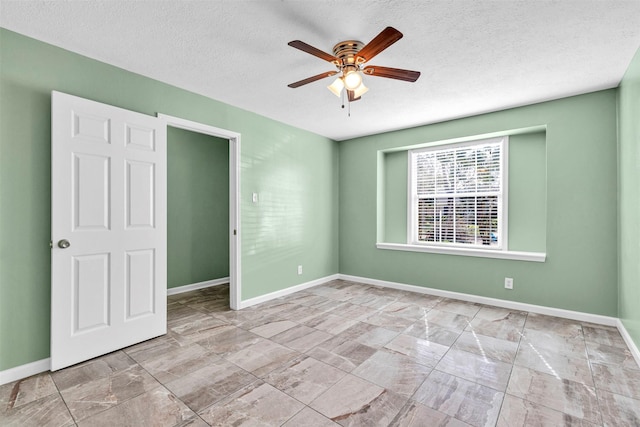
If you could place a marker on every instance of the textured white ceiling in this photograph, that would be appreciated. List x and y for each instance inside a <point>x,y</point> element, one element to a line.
<point>475,55</point>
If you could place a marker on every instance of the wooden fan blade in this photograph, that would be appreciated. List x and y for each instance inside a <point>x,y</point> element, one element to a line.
<point>312,79</point>
<point>386,38</point>
<point>392,73</point>
<point>352,96</point>
<point>313,51</point>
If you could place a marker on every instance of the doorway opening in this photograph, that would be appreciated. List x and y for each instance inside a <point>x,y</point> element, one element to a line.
<point>188,257</point>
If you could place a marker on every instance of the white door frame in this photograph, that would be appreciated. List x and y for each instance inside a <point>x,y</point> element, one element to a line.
<point>234,198</point>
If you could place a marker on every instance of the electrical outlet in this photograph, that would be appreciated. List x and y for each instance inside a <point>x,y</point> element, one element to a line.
<point>255,198</point>
<point>508,283</point>
<point>299,269</point>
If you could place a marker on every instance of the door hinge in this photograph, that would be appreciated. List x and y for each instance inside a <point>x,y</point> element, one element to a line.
<point>50,244</point>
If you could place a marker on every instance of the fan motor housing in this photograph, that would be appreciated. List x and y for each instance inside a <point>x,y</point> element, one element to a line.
<point>346,51</point>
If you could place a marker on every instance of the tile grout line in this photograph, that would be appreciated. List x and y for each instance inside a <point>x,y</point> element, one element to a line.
<point>593,378</point>
<point>513,364</point>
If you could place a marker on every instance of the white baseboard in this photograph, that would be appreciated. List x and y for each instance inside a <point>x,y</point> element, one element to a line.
<point>196,286</point>
<point>512,305</point>
<point>627,338</point>
<point>24,371</point>
<point>287,291</point>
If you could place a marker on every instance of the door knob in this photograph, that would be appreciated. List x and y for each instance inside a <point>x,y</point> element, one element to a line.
<point>64,244</point>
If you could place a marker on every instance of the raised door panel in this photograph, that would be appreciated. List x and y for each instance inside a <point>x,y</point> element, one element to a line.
<point>91,192</point>
<point>140,138</point>
<point>91,128</point>
<point>140,200</point>
<point>91,292</point>
<point>140,283</point>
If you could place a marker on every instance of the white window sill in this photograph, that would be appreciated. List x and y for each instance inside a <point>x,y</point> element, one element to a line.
<point>483,253</point>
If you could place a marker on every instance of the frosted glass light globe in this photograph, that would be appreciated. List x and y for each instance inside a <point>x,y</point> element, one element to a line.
<point>352,80</point>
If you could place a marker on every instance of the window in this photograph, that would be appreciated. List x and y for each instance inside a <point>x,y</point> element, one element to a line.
<point>458,195</point>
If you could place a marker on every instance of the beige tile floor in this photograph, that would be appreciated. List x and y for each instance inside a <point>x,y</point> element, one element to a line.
<point>344,354</point>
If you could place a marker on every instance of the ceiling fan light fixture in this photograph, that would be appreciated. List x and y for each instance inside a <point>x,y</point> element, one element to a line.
<point>336,87</point>
<point>349,58</point>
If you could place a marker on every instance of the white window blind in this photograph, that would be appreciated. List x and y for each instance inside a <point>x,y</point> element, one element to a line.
<point>457,194</point>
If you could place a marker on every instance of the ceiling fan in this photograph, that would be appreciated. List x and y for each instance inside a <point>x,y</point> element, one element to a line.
<point>349,57</point>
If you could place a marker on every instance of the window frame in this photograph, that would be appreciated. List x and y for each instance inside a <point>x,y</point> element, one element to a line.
<point>412,197</point>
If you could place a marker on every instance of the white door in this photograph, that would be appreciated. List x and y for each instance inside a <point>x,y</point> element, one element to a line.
<point>108,229</point>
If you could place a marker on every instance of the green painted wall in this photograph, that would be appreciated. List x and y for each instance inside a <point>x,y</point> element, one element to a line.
<point>629,199</point>
<point>294,171</point>
<point>580,218</point>
<point>526,193</point>
<point>197,207</point>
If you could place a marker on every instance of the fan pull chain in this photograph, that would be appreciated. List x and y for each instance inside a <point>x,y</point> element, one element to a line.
<point>348,103</point>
